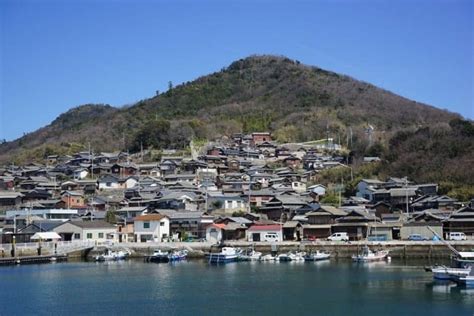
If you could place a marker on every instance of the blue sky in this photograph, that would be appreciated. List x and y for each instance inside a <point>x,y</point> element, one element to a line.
<point>55,55</point>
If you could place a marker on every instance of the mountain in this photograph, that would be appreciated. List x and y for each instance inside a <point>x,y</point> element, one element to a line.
<point>259,93</point>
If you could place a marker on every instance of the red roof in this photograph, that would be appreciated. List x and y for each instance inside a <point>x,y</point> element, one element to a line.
<point>265,228</point>
<point>218,225</point>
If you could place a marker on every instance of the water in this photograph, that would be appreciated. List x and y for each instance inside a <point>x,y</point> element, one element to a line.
<point>246,288</point>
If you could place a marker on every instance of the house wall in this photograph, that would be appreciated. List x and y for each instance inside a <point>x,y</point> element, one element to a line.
<point>155,232</point>
<point>250,234</point>
<point>108,185</point>
<point>406,231</point>
<point>97,234</point>
<point>213,234</point>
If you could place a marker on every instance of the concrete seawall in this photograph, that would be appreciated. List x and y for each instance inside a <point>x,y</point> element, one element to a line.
<point>398,249</point>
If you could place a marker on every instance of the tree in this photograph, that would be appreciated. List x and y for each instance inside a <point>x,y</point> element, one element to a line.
<point>110,217</point>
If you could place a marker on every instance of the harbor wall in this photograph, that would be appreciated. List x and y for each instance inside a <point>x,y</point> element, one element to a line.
<point>397,249</point>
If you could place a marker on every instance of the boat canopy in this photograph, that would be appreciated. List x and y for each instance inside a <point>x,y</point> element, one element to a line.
<point>466,254</point>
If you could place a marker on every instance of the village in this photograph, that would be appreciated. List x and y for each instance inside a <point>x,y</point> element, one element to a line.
<point>250,189</point>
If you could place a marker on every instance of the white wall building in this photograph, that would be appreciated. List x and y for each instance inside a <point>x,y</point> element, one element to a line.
<point>99,231</point>
<point>151,227</point>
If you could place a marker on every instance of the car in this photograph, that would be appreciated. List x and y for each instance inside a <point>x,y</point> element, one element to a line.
<point>338,237</point>
<point>417,237</point>
<point>457,236</point>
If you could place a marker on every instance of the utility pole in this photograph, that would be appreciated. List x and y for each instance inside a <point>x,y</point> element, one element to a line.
<point>91,160</point>
<point>406,192</point>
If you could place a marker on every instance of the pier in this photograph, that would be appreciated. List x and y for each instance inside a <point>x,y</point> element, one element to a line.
<point>32,259</point>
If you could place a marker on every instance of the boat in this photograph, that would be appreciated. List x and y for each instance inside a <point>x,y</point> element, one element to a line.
<point>447,273</point>
<point>251,256</point>
<point>268,257</point>
<point>112,255</point>
<point>368,255</point>
<point>227,254</point>
<point>178,255</point>
<point>291,256</point>
<point>159,256</point>
<point>464,259</point>
<point>467,280</point>
<point>317,256</point>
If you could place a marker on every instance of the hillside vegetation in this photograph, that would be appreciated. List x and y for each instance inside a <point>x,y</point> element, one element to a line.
<point>295,102</point>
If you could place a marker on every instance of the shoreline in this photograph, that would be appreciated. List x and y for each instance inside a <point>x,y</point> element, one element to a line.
<point>397,249</point>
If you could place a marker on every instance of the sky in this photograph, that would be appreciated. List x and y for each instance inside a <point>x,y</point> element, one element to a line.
<point>55,55</point>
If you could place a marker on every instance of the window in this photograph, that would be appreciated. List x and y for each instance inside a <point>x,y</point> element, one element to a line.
<point>162,223</point>
<point>77,236</point>
<point>101,235</point>
<point>146,224</point>
<point>89,235</point>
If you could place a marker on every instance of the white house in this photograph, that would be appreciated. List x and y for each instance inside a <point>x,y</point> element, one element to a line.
<point>214,232</point>
<point>270,233</point>
<point>319,189</point>
<point>151,227</point>
<point>98,231</point>
<point>108,182</point>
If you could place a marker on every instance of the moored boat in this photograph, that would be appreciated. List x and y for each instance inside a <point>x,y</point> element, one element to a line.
<point>291,256</point>
<point>178,255</point>
<point>317,256</point>
<point>447,273</point>
<point>112,256</point>
<point>159,256</point>
<point>227,254</point>
<point>368,255</point>
<point>251,256</point>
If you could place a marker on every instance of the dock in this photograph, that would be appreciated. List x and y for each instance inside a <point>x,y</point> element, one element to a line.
<point>32,259</point>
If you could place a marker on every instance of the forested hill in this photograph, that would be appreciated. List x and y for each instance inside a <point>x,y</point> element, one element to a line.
<point>295,102</point>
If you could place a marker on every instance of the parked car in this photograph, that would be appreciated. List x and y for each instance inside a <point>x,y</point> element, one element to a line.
<point>271,237</point>
<point>417,237</point>
<point>457,236</point>
<point>339,237</point>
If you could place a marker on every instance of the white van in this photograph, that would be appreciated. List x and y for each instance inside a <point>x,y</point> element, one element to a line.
<point>339,237</point>
<point>271,237</point>
<point>457,236</point>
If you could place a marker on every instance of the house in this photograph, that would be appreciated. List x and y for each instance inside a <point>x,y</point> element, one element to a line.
<point>261,232</point>
<point>461,221</point>
<point>318,189</point>
<point>292,230</point>
<point>292,162</point>
<point>214,232</point>
<point>228,203</point>
<point>261,137</point>
<point>108,182</point>
<point>98,231</point>
<point>366,187</point>
<point>423,223</point>
<point>320,221</point>
<point>188,224</point>
<point>433,202</point>
<point>355,223</point>
<point>10,199</point>
<point>151,227</point>
<point>73,199</point>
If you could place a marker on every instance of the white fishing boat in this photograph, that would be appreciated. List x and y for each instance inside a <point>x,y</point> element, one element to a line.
<point>291,256</point>
<point>159,256</point>
<point>112,255</point>
<point>227,254</point>
<point>467,280</point>
<point>251,256</point>
<point>368,255</point>
<point>268,257</point>
<point>447,273</point>
<point>317,256</point>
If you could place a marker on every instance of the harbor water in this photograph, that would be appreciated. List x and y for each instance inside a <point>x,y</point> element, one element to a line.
<point>195,287</point>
